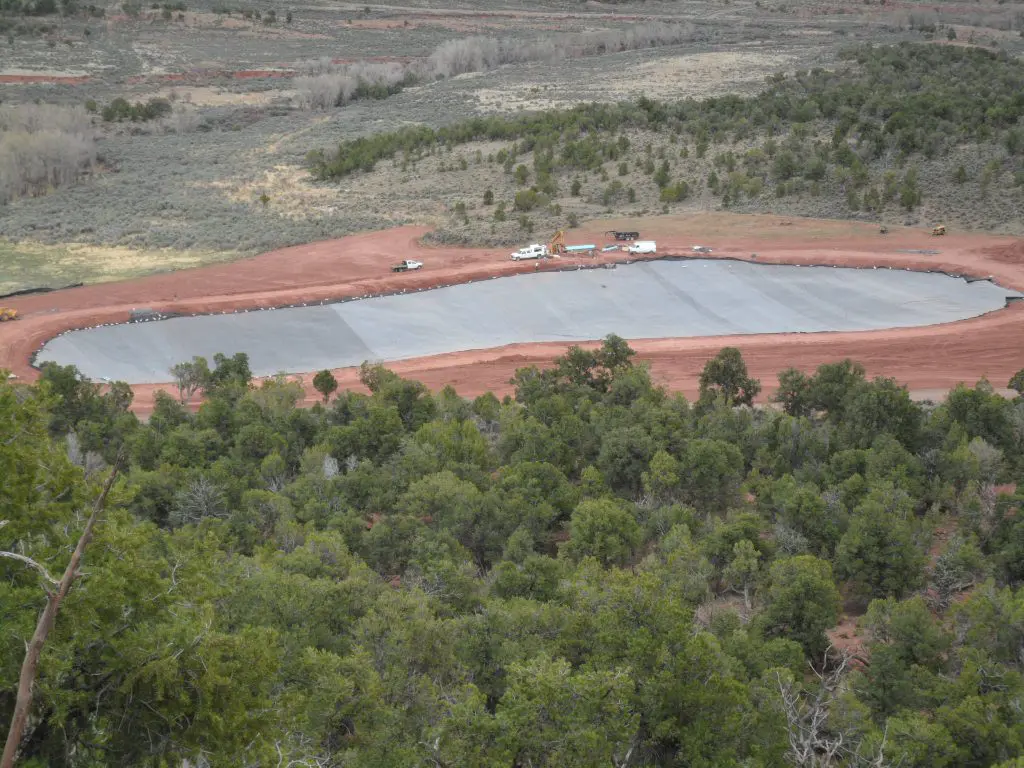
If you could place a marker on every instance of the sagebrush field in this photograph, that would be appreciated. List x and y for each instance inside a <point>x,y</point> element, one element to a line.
<point>187,128</point>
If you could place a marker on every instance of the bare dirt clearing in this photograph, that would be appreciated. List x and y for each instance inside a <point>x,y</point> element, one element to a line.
<point>695,75</point>
<point>934,357</point>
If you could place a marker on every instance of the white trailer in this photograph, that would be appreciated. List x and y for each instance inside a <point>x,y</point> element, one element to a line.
<point>643,246</point>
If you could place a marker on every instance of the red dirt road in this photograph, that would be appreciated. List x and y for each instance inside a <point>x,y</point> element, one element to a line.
<point>932,358</point>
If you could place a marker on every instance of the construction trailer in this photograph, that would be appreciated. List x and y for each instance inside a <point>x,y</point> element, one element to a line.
<point>623,235</point>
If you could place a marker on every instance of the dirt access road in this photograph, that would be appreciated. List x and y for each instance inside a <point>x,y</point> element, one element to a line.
<point>927,359</point>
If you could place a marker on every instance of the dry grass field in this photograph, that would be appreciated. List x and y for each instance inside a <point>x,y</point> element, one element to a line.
<point>224,173</point>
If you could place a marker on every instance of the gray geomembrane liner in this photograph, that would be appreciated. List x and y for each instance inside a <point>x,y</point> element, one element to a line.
<point>643,300</point>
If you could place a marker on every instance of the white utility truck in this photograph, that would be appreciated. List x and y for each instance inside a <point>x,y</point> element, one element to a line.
<point>643,246</point>
<point>535,251</point>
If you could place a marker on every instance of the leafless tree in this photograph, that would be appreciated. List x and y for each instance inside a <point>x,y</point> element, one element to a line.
<point>953,573</point>
<point>324,84</point>
<point>198,500</point>
<point>813,742</point>
<point>181,121</point>
<point>90,461</point>
<point>43,146</point>
<point>331,466</point>
<point>323,91</point>
<point>330,85</point>
<point>790,541</point>
<point>56,591</point>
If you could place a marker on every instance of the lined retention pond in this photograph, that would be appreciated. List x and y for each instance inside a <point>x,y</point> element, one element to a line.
<point>642,300</point>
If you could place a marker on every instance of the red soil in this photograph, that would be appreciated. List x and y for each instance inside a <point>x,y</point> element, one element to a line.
<point>846,637</point>
<point>927,358</point>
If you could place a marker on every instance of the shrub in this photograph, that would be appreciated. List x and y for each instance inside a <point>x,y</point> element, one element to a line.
<point>528,199</point>
<point>119,109</point>
<point>675,193</point>
<point>662,176</point>
<point>612,192</point>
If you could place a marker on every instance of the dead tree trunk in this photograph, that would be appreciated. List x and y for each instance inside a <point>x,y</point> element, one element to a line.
<point>56,591</point>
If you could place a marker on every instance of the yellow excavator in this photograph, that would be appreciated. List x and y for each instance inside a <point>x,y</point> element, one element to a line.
<point>7,313</point>
<point>938,230</point>
<point>557,245</point>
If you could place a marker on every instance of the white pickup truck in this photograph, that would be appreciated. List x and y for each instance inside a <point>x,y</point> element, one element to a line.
<point>535,251</point>
<point>405,266</point>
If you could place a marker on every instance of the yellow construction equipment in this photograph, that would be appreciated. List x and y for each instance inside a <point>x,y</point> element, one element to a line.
<point>7,313</point>
<point>557,245</point>
<point>939,230</point>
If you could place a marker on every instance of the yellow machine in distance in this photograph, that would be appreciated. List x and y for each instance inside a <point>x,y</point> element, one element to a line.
<point>557,245</point>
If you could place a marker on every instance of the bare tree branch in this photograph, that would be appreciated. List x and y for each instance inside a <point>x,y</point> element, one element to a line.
<point>31,564</point>
<point>47,618</point>
<point>812,742</point>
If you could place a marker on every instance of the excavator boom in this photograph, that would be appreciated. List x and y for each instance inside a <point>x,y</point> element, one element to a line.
<point>557,244</point>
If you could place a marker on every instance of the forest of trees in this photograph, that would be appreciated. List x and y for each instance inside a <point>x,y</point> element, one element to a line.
<point>592,572</point>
